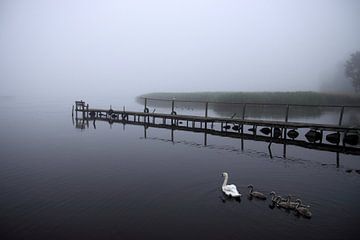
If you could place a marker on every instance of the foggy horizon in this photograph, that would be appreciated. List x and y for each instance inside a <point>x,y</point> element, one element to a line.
<point>52,48</point>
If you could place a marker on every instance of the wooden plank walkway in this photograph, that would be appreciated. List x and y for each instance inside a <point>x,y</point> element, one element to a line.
<point>346,140</point>
<point>193,118</point>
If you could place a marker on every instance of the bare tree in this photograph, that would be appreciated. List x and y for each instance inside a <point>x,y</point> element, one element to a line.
<point>352,70</point>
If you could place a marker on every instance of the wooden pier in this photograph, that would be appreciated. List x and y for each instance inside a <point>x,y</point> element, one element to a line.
<point>328,137</point>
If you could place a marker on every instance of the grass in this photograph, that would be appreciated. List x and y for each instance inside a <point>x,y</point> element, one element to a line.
<point>311,98</point>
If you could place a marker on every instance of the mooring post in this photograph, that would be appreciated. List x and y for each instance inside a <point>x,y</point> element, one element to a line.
<point>206,113</point>
<point>287,113</point>
<point>243,118</point>
<point>172,110</point>
<point>341,115</point>
<point>285,129</point>
<point>83,108</point>
<point>145,103</point>
<point>87,110</point>
<point>72,111</point>
<point>206,109</point>
<point>243,113</point>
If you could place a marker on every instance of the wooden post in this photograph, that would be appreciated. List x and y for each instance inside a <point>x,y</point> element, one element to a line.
<point>287,113</point>
<point>285,129</point>
<point>206,114</point>
<point>172,110</point>
<point>322,135</point>
<point>243,113</point>
<point>341,115</point>
<point>72,111</point>
<point>83,109</point>
<point>145,103</point>
<point>206,109</point>
<point>87,110</point>
<point>243,118</point>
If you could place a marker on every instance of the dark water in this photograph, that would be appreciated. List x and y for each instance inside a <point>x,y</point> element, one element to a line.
<point>59,182</point>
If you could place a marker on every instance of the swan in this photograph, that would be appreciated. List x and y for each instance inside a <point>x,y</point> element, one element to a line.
<point>275,198</point>
<point>292,205</point>
<point>229,190</point>
<point>256,194</point>
<point>302,209</point>
<point>284,204</point>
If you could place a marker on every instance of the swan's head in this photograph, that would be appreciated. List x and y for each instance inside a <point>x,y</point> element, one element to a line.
<point>272,193</point>
<point>225,174</point>
<point>250,186</point>
<point>298,201</point>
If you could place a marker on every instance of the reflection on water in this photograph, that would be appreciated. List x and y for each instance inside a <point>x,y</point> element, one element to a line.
<point>61,182</point>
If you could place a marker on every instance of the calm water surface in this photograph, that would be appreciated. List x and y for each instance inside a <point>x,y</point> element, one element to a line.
<point>59,182</point>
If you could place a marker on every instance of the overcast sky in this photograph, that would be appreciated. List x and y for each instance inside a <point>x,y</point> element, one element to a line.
<point>66,47</point>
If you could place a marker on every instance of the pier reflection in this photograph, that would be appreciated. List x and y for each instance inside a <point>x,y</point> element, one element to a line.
<point>84,123</point>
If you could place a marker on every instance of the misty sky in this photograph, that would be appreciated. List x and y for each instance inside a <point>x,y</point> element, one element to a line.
<point>68,47</point>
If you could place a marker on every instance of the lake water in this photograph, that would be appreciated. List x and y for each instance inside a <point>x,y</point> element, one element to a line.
<point>61,182</point>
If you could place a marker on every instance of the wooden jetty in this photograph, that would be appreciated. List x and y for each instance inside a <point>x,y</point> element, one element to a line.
<point>328,137</point>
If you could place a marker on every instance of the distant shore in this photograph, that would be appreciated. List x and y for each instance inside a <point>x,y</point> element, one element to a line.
<point>296,97</point>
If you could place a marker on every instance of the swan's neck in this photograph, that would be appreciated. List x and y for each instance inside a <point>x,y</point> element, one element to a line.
<point>250,189</point>
<point>273,198</point>
<point>225,180</point>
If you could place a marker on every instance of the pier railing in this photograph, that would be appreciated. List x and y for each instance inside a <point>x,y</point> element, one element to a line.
<point>332,137</point>
<point>341,108</point>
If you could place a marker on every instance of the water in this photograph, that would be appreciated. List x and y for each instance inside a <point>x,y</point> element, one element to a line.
<point>59,182</point>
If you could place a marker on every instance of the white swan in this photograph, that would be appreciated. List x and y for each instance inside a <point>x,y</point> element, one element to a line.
<point>229,190</point>
<point>256,194</point>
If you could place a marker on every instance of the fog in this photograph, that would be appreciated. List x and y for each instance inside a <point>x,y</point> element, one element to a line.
<point>120,47</point>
